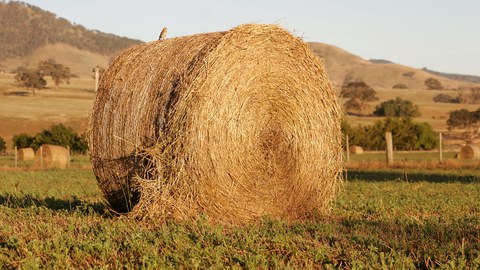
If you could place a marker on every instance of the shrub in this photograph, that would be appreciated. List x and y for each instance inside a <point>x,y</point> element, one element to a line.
<point>397,108</point>
<point>22,140</point>
<point>433,84</point>
<point>444,98</point>
<point>407,135</point>
<point>60,135</point>
<point>400,86</point>
<point>3,145</point>
<point>358,94</point>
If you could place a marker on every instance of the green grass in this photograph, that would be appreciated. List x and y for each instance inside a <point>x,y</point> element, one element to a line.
<point>57,219</point>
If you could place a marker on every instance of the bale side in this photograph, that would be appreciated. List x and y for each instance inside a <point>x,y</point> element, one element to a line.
<point>356,150</point>
<point>469,151</point>
<point>25,154</point>
<point>236,125</point>
<point>54,156</point>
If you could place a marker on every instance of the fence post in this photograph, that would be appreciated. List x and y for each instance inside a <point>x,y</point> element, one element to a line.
<point>41,157</point>
<point>347,145</point>
<point>16,157</point>
<point>440,150</point>
<point>388,139</point>
<point>69,156</point>
<point>97,77</point>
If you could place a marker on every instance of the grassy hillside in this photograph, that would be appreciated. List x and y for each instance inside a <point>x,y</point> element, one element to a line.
<point>30,34</point>
<point>26,28</point>
<point>341,64</point>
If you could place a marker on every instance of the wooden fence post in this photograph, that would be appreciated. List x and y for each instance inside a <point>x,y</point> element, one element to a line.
<point>97,77</point>
<point>388,139</point>
<point>348,148</point>
<point>41,157</point>
<point>16,157</point>
<point>69,156</point>
<point>440,150</point>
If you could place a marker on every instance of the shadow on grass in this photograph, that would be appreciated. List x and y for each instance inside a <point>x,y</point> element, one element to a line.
<point>70,205</point>
<point>375,176</point>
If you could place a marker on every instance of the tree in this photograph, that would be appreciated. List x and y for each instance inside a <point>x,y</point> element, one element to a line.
<point>433,84</point>
<point>3,145</point>
<point>57,135</point>
<point>465,119</point>
<point>408,135</point>
<point>475,94</point>
<point>22,140</point>
<point>400,86</point>
<point>61,135</point>
<point>58,72</point>
<point>358,95</point>
<point>444,98</point>
<point>30,78</point>
<point>397,108</point>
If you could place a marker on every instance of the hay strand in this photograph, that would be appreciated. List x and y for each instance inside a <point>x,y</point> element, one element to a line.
<point>235,125</point>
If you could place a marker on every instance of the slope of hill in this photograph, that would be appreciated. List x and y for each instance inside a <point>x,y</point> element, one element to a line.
<point>343,66</point>
<point>453,76</point>
<point>28,33</point>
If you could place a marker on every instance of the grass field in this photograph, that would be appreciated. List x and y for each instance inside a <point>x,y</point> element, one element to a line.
<point>58,219</point>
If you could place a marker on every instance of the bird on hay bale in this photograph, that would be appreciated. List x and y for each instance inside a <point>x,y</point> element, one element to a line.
<point>163,34</point>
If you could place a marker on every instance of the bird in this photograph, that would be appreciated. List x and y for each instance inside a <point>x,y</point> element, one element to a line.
<point>163,34</point>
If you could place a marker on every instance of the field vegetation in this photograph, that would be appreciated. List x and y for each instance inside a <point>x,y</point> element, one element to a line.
<point>58,219</point>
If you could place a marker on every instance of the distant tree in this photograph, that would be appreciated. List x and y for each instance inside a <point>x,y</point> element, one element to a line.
<point>465,119</point>
<point>358,94</point>
<point>475,94</point>
<point>58,72</point>
<point>397,108</point>
<point>444,98</point>
<point>433,84</point>
<point>61,135</point>
<point>408,135</point>
<point>30,78</point>
<point>3,145</point>
<point>57,135</point>
<point>22,140</point>
<point>400,86</point>
<point>409,74</point>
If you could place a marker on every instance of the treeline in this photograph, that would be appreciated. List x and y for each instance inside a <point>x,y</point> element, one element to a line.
<point>25,27</point>
<point>407,134</point>
<point>56,135</point>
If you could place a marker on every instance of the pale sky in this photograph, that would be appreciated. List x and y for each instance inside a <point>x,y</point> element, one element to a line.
<point>443,35</point>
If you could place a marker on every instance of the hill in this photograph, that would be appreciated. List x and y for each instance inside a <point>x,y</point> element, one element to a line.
<point>343,66</point>
<point>453,76</point>
<point>28,33</point>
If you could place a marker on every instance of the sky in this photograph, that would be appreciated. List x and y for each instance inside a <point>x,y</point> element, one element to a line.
<point>442,35</point>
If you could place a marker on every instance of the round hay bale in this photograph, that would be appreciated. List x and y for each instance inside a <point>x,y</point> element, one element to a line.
<point>235,125</point>
<point>356,150</point>
<point>52,156</point>
<point>25,154</point>
<point>469,151</point>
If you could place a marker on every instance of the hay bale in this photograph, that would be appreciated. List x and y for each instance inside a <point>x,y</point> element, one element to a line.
<point>53,156</point>
<point>25,154</point>
<point>355,150</point>
<point>469,151</point>
<point>235,125</point>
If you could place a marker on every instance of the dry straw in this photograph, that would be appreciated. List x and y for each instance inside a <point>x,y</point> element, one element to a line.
<point>356,150</point>
<point>469,151</point>
<point>25,154</point>
<point>235,125</point>
<point>52,156</point>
